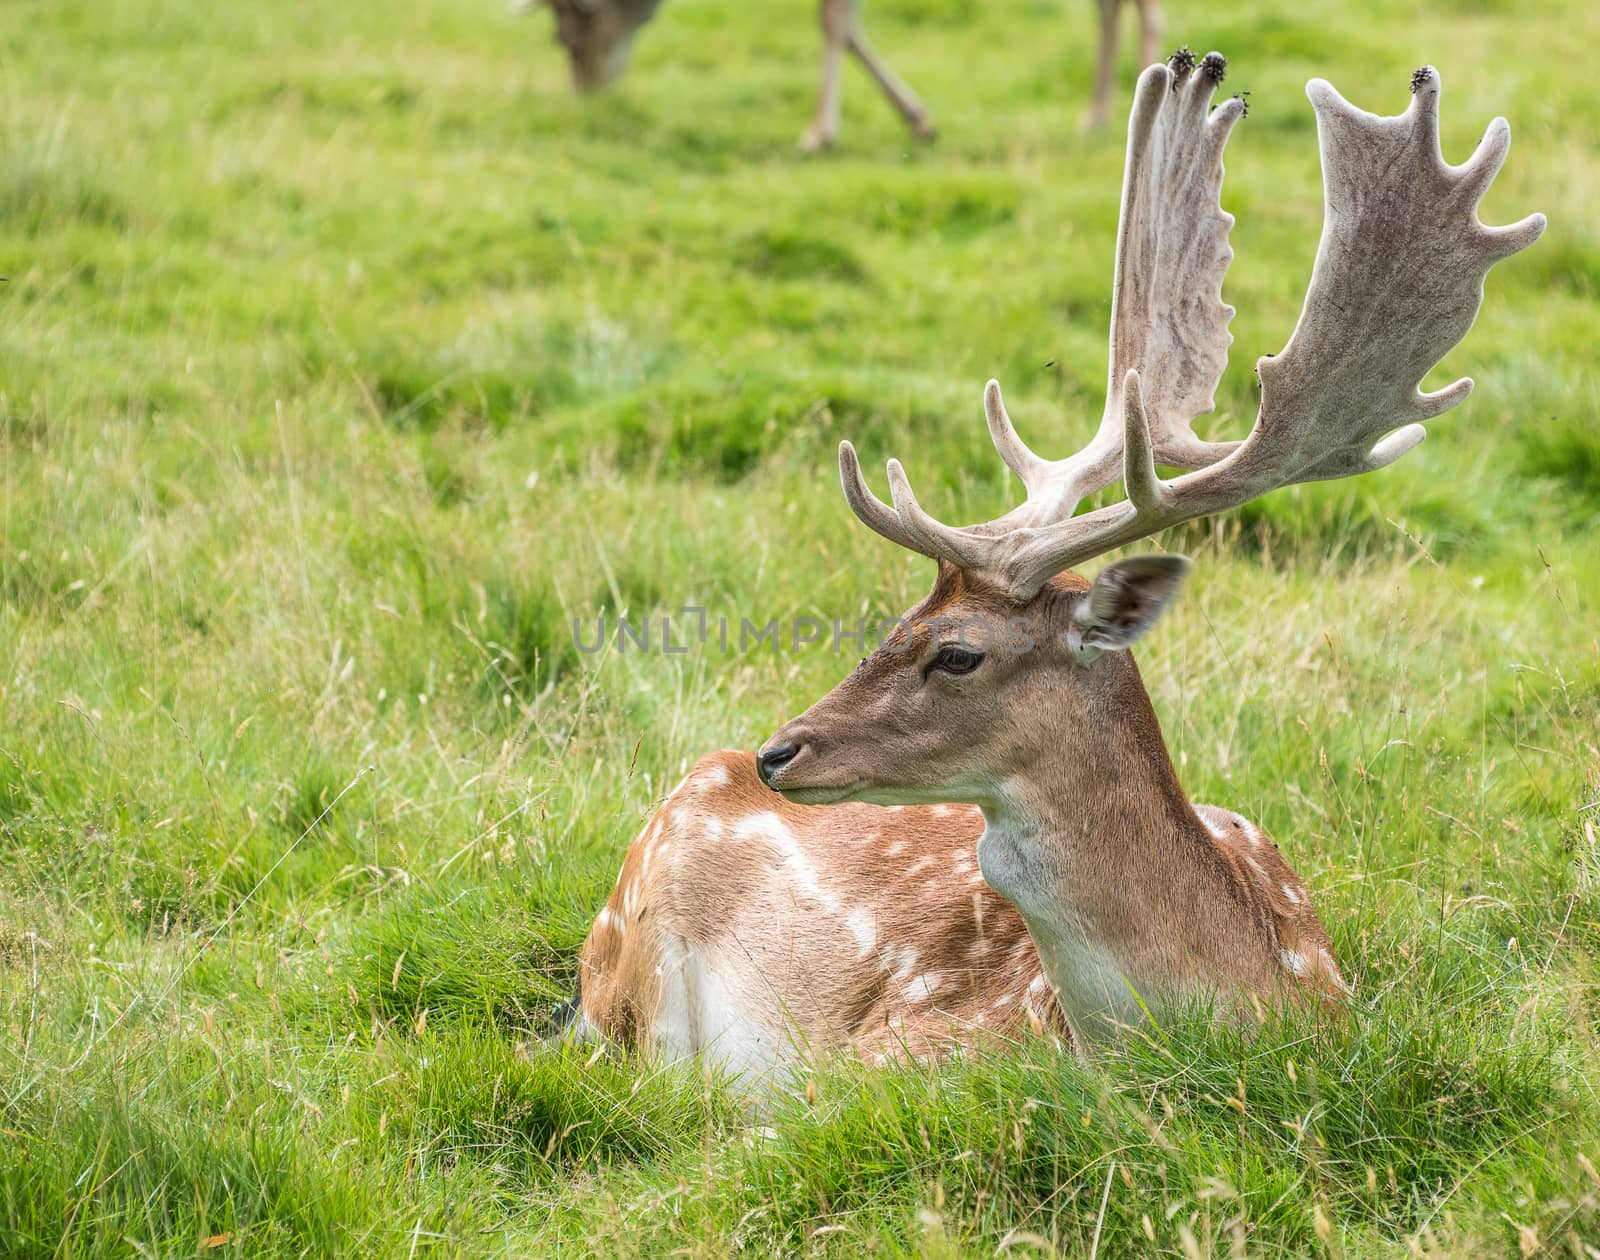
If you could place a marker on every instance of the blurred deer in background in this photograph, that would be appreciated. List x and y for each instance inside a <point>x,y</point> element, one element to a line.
<point>863,901</point>
<point>598,36</point>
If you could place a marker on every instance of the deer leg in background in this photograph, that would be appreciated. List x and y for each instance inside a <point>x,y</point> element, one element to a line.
<point>900,96</point>
<point>837,17</point>
<point>1150,28</point>
<point>1108,63</point>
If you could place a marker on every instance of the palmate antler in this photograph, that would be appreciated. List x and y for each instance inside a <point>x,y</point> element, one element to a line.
<point>1397,283</point>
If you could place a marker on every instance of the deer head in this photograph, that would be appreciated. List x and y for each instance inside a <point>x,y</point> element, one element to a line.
<point>1012,672</point>
<point>597,34</point>
<point>971,683</point>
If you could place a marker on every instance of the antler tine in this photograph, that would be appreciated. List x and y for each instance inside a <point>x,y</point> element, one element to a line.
<point>1502,242</point>
<point>875,514</point>
<point>1480,169</point>
<point>906,523</point>
<point>963,547</point>
<point>1397,284</point>
<point>1054,489</point>
<point>1139,477</point>
<point>1030,469</point>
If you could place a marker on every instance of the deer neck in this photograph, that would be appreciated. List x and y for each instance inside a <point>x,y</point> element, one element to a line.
<point>1098,847</point>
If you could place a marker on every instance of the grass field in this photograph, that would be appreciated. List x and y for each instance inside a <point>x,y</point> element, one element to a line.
<point>345,356</point>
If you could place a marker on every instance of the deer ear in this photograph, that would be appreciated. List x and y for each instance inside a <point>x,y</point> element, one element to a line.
<point>1126,600</point>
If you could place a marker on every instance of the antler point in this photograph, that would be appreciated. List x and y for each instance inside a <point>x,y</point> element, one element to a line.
<point>1502,242</point>
<point>1442,400</point>
<point>1323,94</point>
<point>1230,111</point>
<point>1154,83</point>
<point>1391,448</point>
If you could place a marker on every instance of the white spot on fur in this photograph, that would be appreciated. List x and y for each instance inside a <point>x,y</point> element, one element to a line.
<point>1294,962</point>
<point>897,848</point>
<point>942,811</point>
<point>864,928</point>
<point>921,864</point>
<point>922,988</point>
<point>760,826</point>
<point>1294,897</point>
<point>802,874</point>
<point>715,777</point>
<point>901,960</point>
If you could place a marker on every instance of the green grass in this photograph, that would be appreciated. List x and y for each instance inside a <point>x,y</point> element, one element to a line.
<point>345,357</point>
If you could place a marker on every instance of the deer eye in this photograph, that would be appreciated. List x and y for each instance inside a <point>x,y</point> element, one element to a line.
<point>956,660</point>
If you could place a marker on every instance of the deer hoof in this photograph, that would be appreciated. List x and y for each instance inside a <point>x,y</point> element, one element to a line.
<point>816,140</point>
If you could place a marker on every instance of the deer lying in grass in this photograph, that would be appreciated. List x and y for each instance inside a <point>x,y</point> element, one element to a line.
<point>598,36</point>
<point>866,902</point>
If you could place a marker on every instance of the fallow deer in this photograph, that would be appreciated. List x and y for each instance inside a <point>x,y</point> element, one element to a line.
<point>598,36</point>
<point>976,831</point>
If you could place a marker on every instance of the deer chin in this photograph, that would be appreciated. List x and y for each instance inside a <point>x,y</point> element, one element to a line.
<point>863,790</point>
<point>804,783</point>
<point>820,794</point>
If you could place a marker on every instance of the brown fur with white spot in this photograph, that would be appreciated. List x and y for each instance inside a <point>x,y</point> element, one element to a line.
<point>859,926</point>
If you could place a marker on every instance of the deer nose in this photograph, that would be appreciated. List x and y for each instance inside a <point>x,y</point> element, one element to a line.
<point>770,760</point>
